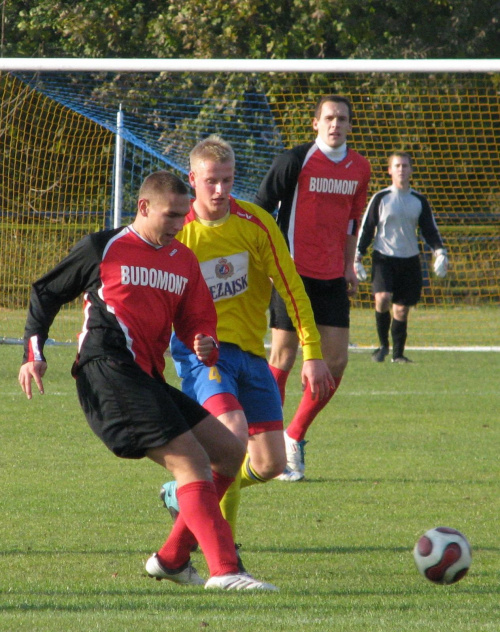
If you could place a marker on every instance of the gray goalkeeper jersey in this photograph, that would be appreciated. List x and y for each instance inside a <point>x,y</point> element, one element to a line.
<point>393,220</point>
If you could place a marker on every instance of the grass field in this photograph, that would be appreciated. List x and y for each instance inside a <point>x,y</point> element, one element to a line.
<point>399,450</point>
<point>466,326</point>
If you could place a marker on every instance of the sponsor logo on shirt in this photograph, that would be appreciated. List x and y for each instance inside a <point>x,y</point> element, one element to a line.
<point>224,269</point>
<point>333,185</point>
<point>226,276</point>
<point>151,277</point>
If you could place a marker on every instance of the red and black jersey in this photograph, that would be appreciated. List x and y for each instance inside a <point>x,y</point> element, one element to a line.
<point>134,292</point>
<point>319,202</point>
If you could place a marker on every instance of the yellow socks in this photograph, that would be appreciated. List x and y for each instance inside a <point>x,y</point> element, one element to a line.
<point>231,500</point>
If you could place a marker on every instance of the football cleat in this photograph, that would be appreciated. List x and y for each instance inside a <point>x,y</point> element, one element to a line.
<point>185,575</point>
<point>379,354</point>
<point>402,360</point>
<point>290,476</point>
<point>241,567</point>
<point>238,581</point>
<point>168,494</point>
<point>295,454</point>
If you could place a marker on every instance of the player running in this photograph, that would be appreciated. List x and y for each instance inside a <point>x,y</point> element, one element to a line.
<point>319,189</point>
<point>242,254</point>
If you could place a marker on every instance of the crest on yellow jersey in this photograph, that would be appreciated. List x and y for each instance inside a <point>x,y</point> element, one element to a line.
<point>224,269</point>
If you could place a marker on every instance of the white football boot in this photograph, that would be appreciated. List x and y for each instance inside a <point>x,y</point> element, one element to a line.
<point>238,581</point>
<point>185,575</point>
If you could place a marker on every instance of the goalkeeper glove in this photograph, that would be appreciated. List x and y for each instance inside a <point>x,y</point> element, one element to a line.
<point>359,269</point>
<point>440,263</point>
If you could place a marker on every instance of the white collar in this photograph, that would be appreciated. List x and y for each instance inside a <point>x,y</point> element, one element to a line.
<point>335,154</point>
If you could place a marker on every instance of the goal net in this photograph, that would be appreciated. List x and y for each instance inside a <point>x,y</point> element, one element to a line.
<point>59,164</point>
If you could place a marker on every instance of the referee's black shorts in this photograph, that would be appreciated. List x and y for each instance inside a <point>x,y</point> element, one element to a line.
<point>329,301</point>
<point>129,410</point>
<point>402,277</point>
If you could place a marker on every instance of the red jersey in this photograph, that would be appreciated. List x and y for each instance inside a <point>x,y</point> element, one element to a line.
<point>320,204</point>
<point>134,292</point>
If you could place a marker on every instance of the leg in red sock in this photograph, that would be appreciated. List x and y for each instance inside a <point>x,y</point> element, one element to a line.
<point>200,520</point>
<point>307,412</point>
<point>181,540</point>
<point>281,378</point>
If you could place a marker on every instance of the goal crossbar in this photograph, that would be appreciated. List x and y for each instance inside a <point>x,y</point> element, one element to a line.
<point>53,64</point>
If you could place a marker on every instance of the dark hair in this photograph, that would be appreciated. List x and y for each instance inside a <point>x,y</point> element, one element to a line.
<point>334,98</point>
<point>161,182</point>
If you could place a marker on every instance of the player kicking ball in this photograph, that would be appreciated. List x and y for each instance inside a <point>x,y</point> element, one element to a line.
<point>138,281</point>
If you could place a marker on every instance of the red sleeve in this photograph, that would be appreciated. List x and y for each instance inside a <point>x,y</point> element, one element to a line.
<point>196,312</point>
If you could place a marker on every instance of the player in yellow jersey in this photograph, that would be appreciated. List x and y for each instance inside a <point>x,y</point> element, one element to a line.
<point>242,254</point>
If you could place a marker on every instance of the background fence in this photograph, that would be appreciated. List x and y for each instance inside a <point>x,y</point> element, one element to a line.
<point>57,144</point>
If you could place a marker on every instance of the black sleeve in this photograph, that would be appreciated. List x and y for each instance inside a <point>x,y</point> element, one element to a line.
<point>64,283</point>
<point>369,224</point>
<point>428,226</point>
<point>278,186</point>
<point>279,182</point>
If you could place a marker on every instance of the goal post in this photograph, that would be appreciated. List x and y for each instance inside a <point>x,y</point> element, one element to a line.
<point>329,66</point>
<point>58,142</point>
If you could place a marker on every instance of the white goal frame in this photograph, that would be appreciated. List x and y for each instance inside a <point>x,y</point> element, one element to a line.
<point>182,65</point>
<point>52,64</point>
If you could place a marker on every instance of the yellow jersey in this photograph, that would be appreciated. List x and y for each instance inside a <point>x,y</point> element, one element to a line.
<point>241,256</point>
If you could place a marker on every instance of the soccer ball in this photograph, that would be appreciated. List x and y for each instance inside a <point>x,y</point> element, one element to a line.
<point>443,555</point>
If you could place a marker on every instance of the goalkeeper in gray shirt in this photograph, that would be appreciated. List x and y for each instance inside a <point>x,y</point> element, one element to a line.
<point>392,221</point>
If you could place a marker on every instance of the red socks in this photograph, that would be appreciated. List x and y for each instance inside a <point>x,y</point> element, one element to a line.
<point>200,520</point>
<point>281,377</point>
<point>307,411</point>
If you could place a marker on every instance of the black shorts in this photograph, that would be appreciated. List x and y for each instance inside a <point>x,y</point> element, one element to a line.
<point>329,301</point>
<point>402,277</point>
<point>129,410</point>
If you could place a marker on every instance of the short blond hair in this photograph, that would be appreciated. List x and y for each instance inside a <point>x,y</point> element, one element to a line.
<point>211,148</point>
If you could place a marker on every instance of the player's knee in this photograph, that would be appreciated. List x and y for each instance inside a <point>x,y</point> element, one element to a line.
<point>338,365</point>
<point>382,301</point>
<point>270,469</point>
<point>400,312</point>
<point>283,358</point>
<point>272,472</point>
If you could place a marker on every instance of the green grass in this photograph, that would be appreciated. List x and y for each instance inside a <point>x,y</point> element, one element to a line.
<point>399,450</point>
<point>466,326</point>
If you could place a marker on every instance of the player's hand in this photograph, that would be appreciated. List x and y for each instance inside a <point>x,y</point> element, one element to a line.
<point>360,271</point>
<point>321,382</point>
<point>440,263</point>
<point>32,371</point>
<point>351,280</point>
<point>206,349</point>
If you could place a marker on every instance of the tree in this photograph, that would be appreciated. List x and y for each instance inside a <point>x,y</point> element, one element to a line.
<point>280,29</point>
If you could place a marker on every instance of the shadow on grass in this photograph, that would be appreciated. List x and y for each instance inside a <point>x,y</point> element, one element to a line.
<point>319,550</point>
<point>187,599</point>
<point>393,481</point>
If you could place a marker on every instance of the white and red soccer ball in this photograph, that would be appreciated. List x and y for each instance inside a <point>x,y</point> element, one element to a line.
<point>443,555</point>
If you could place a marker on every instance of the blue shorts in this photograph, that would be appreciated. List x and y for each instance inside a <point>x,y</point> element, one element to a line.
<point>244,375</point>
